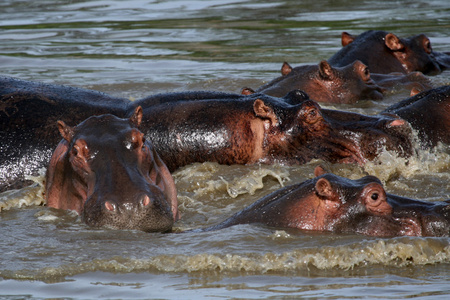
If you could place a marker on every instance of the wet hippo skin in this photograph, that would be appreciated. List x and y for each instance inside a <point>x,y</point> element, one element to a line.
<point>257,128</point>
<point>206,126</point>
<point>330,203</point>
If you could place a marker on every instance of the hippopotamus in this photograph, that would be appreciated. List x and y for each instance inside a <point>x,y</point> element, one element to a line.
<point>29,112</point>
<point>325,83</point>
<point>257,128</point>
<point>106,171</point>
<point>384,53</point>
<point>330,203</point>
<point>193,127</point>
<point>428,113</point>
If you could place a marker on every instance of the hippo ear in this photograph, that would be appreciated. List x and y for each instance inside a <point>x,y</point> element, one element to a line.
<point>286,69</point>
<point>66,131</point>
<point>346,38</point>
<point>247,91</point>
<point>325,70</point>
<point>324,189</point>
<point>264,111</point>
<point>136,118</point>
<point>319,170</point>
<point>414,91</point>
<point>393,42</point>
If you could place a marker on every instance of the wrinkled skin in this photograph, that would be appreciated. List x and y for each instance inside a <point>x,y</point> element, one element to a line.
<point>261,129</point>
<point>325,83</point>
<point>106,171</point>
<point>428,113</point>
<point>385,53</point>
<point>29,112</point>
<point>330,203</point>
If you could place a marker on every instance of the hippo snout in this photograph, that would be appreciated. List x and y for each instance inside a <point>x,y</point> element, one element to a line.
<point>148,212</point>
<point>142,202</point>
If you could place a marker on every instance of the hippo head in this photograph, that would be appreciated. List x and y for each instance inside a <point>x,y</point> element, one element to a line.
<point>304,131</point>
<point>354,82</point>
<point>347,84</point>
<point>354,206</point>
<point>413,53</point>
<point>325,83</point>
<point>109,173</point>
<point>330,203</point>
<point>363,206</point>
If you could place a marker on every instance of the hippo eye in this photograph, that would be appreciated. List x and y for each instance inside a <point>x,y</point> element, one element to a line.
<point>366,72</point>
<point>375,199</point>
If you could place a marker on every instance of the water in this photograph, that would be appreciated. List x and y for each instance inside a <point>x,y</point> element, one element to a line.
<point>137,48</point>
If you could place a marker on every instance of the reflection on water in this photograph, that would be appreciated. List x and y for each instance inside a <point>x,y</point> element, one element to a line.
<point>137,48</point>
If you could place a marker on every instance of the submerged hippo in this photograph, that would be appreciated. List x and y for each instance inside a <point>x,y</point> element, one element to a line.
<point>384,52</point>
<point>325,83</point>
<point>330,203</point>
<point>257,128</point>
<point>428,113</point>
<point>107,172</point>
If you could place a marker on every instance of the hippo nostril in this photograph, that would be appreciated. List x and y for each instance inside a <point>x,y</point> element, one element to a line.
<point>398,122</point>
<point>110,206</point>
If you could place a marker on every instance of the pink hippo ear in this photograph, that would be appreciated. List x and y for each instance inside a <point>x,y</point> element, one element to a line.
<point>286,69</point>
<point>319,170</point>
<point>346,38</point>
<point>393,42</point>
<point>263,111</point>
<point>66,131</point>
<point>414,91</point>
<point>324,189</point>
<point>325,70</point>
<point>426,44</point>
<point>247,91</point>
<point>136,118</point>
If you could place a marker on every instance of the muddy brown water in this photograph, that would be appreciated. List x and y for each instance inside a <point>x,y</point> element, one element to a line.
<point>136,48</point>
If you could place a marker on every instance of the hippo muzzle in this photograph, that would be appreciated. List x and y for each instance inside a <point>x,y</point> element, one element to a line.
<point>420,218</point>
<point>146,211</point>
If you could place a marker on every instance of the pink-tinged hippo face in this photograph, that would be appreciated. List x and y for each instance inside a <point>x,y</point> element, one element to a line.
<point>330,203</point>
<point>106,170</point>
<point>325,83</point>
